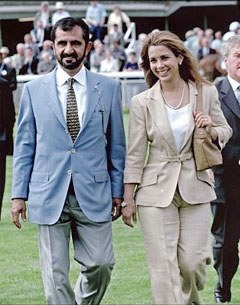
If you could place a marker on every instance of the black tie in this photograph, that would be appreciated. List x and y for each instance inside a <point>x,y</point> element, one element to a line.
<point>73,124</point>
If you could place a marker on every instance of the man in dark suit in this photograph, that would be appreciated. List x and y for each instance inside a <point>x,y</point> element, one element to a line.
<point>30,64</point>
<point>7,119</point>
<point>205,49</point>
<point>226,208</point>
<point>8,73</point>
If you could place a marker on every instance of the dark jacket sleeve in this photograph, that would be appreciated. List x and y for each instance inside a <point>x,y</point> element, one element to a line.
<point>7,114</point>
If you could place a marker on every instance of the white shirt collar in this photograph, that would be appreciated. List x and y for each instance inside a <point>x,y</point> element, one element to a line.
<point>234,84</point>
<point>62,76</point>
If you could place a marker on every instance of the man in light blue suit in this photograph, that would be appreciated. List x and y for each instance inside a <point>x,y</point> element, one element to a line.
<point>73,183</point>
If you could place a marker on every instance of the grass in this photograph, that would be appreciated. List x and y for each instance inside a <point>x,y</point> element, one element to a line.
<point>20,278</point>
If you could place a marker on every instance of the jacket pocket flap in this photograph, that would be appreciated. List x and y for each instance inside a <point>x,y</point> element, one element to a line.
<point>39,177</point>
<point>149,179</point>
<point>101,177</point>
<point>203,176</point>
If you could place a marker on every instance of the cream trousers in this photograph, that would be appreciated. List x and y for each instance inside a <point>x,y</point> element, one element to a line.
<point>177,243</point>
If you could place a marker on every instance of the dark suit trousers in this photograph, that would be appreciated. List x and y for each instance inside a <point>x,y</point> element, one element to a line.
<point>2,172</point>
<point>226,232</point>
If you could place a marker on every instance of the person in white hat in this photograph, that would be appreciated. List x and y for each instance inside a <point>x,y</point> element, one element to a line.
<point>234,28</point>
<point>60,13</point>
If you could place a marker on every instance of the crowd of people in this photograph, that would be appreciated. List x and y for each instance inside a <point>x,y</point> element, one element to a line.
<point>207,47</point>
<point>73,169</point>
<point>34,55</point>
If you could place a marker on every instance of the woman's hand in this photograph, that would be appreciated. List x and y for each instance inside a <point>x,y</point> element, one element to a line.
<point>129,215</point>
<point>211,176</point>
<point>205,120</point>
<point>202,120</point>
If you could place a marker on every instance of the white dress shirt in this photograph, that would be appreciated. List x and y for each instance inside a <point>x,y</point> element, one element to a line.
<point>79,87</point>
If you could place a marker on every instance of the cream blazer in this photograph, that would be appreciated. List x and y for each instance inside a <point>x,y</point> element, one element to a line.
<point>153,161</point>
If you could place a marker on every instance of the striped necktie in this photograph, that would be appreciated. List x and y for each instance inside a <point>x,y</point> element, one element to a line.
<point>73,124</point>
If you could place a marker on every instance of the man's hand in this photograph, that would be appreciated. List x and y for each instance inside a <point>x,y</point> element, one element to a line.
<point>116,208</point>
<point>18,207</point>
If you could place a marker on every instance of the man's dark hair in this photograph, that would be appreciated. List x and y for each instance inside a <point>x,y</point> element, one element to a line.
<point>67,24</point>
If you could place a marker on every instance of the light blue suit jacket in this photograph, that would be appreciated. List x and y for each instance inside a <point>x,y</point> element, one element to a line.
<point>45,158</point>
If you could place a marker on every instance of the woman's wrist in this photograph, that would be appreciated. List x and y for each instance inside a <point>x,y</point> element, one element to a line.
<point>127,203</point>
<point>212,132</point>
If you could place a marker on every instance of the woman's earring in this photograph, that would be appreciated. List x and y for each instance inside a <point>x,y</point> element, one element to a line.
<point>180,63</point>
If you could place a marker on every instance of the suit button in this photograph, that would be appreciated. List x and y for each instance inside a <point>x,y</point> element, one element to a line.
<point>69,172</point>
<point>73,151</point>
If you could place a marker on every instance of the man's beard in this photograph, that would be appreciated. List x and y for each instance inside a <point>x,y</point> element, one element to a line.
<point>71,65</point>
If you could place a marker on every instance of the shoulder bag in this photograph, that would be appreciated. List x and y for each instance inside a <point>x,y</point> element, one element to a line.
<point>206,153</point>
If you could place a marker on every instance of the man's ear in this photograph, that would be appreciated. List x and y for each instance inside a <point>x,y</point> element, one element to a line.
<point>89,47</point>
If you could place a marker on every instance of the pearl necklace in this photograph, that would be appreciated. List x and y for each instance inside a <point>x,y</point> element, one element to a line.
<point>179,104</point>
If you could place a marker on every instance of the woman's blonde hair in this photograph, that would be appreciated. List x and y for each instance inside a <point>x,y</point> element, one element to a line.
<point>188,70</point>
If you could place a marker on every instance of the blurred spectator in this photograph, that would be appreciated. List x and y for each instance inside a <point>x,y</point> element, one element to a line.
<point>30,62</point>
<point>117,16</point>
<point>5,54</point>
<point>138,45</point>
<point>17,59</point>
<point>234,28</point>
<point>38,34</point>
<point>47,47</point>
<point>209,34</point>
<point>105,40</point>
<point>115,35</point>
<point>118,52</point>
<point>97,56</point>
<point>205,49</point>
<point>28,42</point>
<point>8,73</point>
<point>60,12</point>
<point>217,41</point>
<point>45,16</point>
<point>95,18</point>
<point>131,63</point>
<point>46,64</point>
<point>189,40</point>
<point>196,43</point>
<point>109,64</point>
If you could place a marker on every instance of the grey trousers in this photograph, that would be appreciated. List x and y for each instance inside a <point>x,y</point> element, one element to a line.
<point>92,249</point>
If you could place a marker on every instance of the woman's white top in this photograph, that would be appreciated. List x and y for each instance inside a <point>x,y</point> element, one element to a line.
<point>179,122</point>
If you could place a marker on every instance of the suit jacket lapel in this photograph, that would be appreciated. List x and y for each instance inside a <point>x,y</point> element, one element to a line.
<point>94,96</point>
<point>49,81</point>
<point>158,111</point>
<point>192,100</point>
<point>228,97</point>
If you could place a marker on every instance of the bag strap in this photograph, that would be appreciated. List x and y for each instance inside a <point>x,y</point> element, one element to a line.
<point>199,102</point>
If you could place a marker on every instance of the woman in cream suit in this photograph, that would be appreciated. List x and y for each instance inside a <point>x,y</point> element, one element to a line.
<point>161,179</point>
